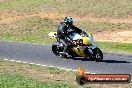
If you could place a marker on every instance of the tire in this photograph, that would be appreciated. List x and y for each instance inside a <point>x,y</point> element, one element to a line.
<point>98,55</point>
<point>56,50</point>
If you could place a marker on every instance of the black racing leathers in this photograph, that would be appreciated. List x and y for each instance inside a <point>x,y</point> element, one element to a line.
<point>62,33</point>
<point>62,30</point>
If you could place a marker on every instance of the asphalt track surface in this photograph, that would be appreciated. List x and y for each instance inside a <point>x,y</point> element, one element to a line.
<point>41,54</point>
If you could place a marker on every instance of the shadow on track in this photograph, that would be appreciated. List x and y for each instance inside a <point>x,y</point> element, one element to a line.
<point>106,61</point>
<point>82,59</point>
<point>114,61</point>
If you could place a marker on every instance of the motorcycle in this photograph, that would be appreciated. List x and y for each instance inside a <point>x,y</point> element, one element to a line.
<point>81,45</point>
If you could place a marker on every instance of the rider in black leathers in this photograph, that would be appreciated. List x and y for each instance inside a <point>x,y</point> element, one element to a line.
<point>62,32</point>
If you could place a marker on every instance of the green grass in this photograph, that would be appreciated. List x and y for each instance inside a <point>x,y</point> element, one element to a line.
<point>19,75</point>
<point>112,8</point>
<point>122,47</point>
<point>16,81</point>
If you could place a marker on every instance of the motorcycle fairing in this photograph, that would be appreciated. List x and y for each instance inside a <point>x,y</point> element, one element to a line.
<point>87,39</point>
<point>79,51</point>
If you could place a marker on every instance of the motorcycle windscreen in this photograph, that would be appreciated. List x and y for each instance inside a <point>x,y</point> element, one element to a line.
<point>74,36</point>
<point>86,39</point>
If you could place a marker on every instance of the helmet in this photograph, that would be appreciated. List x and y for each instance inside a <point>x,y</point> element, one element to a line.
<point>68,20</point>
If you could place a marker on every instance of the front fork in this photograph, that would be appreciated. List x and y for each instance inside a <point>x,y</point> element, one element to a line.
<point>91,48</point>
<point>90,51</point>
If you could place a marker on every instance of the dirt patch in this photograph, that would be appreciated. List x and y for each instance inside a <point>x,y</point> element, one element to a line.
<point>2,1</point>
<point>10,17</point>
<point>124,36</point>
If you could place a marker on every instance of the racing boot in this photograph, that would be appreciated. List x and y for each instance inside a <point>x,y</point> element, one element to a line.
<point>66,51</point>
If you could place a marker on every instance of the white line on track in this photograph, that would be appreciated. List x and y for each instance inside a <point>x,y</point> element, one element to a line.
<point>44,65</point>
<point>51,66</point>
<point>24,62</point>
<point>38,64</point>
<point>5,59</point>
<point>31,63</point>
<point>69,69</point>
<point>12,60</point>
<point>19,61</point>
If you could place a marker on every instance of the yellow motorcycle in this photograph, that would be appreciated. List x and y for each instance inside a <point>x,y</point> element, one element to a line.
<point>81,45</point>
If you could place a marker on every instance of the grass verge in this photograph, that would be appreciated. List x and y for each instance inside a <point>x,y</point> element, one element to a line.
<point>19,75</point>
<point>32,29</point>
<point>115,46</point>
<point>15,81</point>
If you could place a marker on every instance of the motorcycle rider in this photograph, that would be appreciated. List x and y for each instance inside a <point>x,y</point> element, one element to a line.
<point>62,31</point>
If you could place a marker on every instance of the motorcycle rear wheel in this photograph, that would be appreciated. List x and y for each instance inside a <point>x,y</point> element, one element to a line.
<point>56,51</point>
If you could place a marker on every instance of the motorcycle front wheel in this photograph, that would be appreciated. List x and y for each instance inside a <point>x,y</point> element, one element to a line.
<point>97,55</point>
